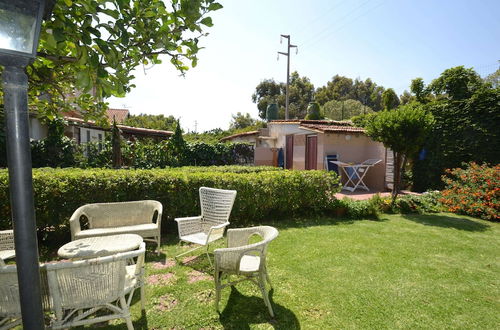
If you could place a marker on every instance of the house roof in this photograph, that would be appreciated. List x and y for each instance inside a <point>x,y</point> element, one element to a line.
<point>123,128</point>
<point>239,135</point>
<point>144,131</point>
<point>333,128</point>
<point>118,114</point>
<point>324,126</point>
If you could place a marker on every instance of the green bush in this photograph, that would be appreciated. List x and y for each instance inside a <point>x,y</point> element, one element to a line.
<point>425,203</point>
<point>59,192</point>
<point>358,209</point>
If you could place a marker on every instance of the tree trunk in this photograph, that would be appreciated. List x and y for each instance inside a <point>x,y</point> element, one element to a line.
<point>397,176</point>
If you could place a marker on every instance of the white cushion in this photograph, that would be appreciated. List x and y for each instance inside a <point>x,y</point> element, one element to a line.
<point>135,229</point>
<point>249,263</point>
<point>130,278</point>
<point>200,238</point>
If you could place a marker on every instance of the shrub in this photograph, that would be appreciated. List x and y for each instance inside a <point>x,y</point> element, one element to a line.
<point>59,192</point>
<point>425,203</point>
<point>473,190</point>
<point>355,209</point>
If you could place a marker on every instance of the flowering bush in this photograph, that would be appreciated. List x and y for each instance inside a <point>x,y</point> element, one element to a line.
<point>474,190</point>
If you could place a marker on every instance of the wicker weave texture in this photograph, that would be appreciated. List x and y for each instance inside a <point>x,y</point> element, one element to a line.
<point>7,239</point>
<point>79,289</point>
<point>216,204</point>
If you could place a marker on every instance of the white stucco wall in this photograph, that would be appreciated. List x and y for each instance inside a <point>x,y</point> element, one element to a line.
<point>93,134</point>
<point>37,130</point>
<point>281,130</point>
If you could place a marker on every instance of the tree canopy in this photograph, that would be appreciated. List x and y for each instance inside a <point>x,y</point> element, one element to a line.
<point>240,121</point>
<point>404,131</point>
<point>341,88</point>
<point>343,110</point>
<point>159,122</point>
<point>269,91</point>
<point>88,49</point>
<point>390,99</point>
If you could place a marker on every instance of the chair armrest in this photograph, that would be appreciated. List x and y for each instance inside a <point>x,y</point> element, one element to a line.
<point>230,258</point>
<point>239,236</point>
<point>159,208</point>
<point>188,225</point>
<point>74,222</point>
<point>216,232</point>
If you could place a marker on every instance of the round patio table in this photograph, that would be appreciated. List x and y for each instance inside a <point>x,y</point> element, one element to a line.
<point>99,246</point>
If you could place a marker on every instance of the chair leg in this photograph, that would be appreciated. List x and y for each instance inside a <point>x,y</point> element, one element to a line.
<point>267,278</point>
<point>127,317</point>
<point>184,253</point>
<point>265,294</point>
<point>143,298</point>
<point>208,256</point>
<point>217,290</point>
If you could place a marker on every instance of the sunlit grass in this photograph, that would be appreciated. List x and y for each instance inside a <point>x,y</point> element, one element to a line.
<point>418,271</point>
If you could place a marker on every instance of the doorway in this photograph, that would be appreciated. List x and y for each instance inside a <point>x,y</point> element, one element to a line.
<point>311,152</point>
<point>289,152</point>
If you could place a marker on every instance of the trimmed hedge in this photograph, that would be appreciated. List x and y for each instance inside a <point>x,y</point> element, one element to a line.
<point>59,192</point>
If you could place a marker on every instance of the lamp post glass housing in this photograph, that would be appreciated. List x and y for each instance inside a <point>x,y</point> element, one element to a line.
<point>20,27</point>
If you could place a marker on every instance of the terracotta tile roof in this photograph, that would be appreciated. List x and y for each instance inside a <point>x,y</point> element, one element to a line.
<point>119,114</point>
<point>239,135</point>
<point>333,128</point>
<point>125,129</point>
<point>144,131</point>
<point>326,126</point>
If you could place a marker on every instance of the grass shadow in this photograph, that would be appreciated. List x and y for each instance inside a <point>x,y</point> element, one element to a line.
<point>242,311</point>
<point>445,221</point>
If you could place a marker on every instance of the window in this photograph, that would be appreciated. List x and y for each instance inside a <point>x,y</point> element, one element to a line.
<point>99,137</point>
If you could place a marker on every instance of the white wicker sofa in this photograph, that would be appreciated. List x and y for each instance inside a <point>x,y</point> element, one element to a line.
<point>138,217</point>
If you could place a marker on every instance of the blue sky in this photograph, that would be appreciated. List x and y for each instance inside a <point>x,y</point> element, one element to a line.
<point>389,41</point>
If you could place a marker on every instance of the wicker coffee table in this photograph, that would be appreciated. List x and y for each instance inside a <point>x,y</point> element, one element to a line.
<point>99,246</point>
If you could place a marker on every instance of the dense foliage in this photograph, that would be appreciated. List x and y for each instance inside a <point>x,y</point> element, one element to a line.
<point>159,122</point>
<point>59,192</point>
<point>342,110</point>
<point>467,120</point>
<point>341,88</point>
<point>139,154</point>
<point>300,94</point>
<point>473,190</point>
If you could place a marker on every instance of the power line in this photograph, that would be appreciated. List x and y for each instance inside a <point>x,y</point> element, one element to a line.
<point>287,54</point>
<point>328,27</point>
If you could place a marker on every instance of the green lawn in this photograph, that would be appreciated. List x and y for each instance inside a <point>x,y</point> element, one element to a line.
<point>410,271</point>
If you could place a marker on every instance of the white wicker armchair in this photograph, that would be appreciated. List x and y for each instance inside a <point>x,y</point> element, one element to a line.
<point>216,206</point>
<point>10,306</point>
<point>7,249</point>
<point>136,217</point>
<point>79,289</point>
<point>244,259</point>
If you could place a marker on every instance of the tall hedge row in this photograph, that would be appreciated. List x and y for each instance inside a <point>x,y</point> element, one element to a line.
<point>59,192</point>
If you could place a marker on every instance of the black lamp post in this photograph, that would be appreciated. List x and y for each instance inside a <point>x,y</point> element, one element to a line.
<point>20,22</point>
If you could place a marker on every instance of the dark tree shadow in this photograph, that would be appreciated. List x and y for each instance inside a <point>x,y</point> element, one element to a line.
<point>444,221</point>
<point>241,311</point>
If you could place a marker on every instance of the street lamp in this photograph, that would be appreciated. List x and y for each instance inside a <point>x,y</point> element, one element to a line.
<point>20,22</point>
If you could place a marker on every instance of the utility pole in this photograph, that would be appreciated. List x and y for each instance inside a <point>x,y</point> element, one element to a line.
<point>287,54</point>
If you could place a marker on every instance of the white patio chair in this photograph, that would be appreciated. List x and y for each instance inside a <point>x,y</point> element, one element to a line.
<point>247,260</point>
<point>10,306</point>
<point>216,206</point>
<point>80,289</point>
<point>7,249</point>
